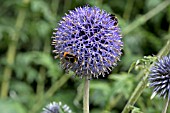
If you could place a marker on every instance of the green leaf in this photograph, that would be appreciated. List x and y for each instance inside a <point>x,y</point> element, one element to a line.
<point>10,106</point>
<point>132,66</point>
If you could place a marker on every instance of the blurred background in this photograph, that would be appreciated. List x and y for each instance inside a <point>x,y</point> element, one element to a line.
<point>30,78</point>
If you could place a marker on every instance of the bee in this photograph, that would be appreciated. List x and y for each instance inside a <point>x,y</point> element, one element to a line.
<point>70,57</point>
<point>114,18</point>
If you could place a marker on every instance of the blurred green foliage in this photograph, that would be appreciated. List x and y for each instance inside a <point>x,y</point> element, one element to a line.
<point>30,78</point>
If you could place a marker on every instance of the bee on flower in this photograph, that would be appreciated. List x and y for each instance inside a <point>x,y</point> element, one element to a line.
<point>88,41</point>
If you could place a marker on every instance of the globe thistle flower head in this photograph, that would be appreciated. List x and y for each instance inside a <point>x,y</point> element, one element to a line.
<point>56,108</point>
<point>88,41</point>
<point>159,77</point>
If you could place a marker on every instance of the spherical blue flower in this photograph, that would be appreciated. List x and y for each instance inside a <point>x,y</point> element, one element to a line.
<point>88,41</point>
<point>159,77</point>
<point>56,108</point>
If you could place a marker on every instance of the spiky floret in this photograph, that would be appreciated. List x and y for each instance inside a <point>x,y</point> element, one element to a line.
<point>159,77</point>
<point>56,108</point>
<point>88,41</point>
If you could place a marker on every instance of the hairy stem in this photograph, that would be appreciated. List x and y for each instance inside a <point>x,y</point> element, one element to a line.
<point>142,84</point>
<point>86,95</point>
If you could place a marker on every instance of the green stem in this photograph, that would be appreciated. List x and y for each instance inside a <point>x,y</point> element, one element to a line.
<point>166,106</point>
<point>128,9</point>
<point>54,7</point>
<point>142,84</point>
<point>86,95</point>
<point>40,82</point>
<point>57,85</point>
<point>141,20</point>
<point>135,95</point>
<point>42,71</point>
<point>79,95</point>
<point>112,103</point>
<point>11,52</point>
<point>67,5</point>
